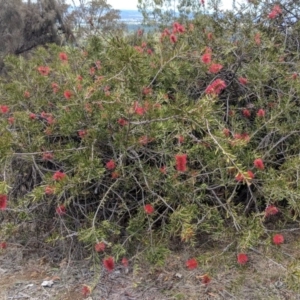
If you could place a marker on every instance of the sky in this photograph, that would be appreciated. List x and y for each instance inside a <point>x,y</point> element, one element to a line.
<point>131,4</point>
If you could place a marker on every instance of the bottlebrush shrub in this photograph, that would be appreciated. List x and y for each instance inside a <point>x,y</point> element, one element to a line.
<point>205,185</point>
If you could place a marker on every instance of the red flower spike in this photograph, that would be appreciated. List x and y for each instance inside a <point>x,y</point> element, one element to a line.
<point>173,38</point>
<point>4,109</point>
<point>11,120</point>
<point>49,190</point>
<point>226,132</point>
<point>261,113</point>
<point>149,209</point>
<point>110,165</point>
<point>86,290</point>
<point>210,36</point>
<point>278,239</point>
<point>215,68</point>
<point>243,80</point>
<point>115,175</point>
<point>205,279</point>
<point>257,39</point>
<point>43,70</point>
<point>55,87</point>
<point>163,170</point>
<point>68,94</point>
<point>246,113</point>
<point>180,139</point>
<point>191,264</point>
<point>32,116</point>
<point>206,58</point>
<point>250,174</point>
<point>58,176</point>
<point>61,210</point>
<point>82,133</point>
<point>48,156</point>
<point>125,262</point>
<point>181,160</point>
<point>26,94</point>
<point>122,122</point>
<point>3,245</point>
<point>109,263</point>
<point>242,258</point>
<point>259,164</point>
<point>100,247</point>
<point>271,210</point>
<point>216,87</point>
<point>3,202</point>
<point>63,56</point>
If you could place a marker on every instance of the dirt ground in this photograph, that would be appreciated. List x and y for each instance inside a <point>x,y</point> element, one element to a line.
<point>272,273</point>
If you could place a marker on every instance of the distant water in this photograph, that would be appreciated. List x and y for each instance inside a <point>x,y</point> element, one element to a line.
<point>131,16</point>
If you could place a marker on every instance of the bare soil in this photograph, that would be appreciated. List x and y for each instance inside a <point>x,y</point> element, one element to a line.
<point>271,273</point>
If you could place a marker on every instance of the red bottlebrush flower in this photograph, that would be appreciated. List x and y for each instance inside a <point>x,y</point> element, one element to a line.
<point>68,94</point>
<point>261,113</point>
<point>206,58</point>
<point>250,174</point>
<point>26,94</point>
<point>82,133</point>
<point>226,132</point>
<point>241,177</point>
<point>79,78</point>
<point>216,87</point>
<point>147,91</point>
<point>3,201</point>
<point>139,110</point>
<point>173,38</point>
<point>3,245</point>
<point>242,258</point>
<point>181,162</point>
<point>44,70</point>
<point>259,164</point>
<point>215,68</point>
<point>243,80</point>
<point>294,76</point>
<point>139,49</point>
<point>163,170</point>
<point>246,113</point>
<point>271,210</point>
<point>49,190</point>
<point>272,15</point>
<point>4,109</point>
<point>55,87</point>
<point>205,279</point>
<point>59,176</point>
<point>122,122</point>
<point>125,262</point>
<point>61,210</point>
<point>11,120</point>
<point>140,32</point>
<point>278,239</point>
<point>48,155</point>
<point>86,290</point>
<point>98,64</point>
<point>100,247</point>
<point>92,71</point>
<point>110,165</point>
<point>210,36</point>
<point>191,264</point>
<point>109,263</point>
<point>149,209</point>
<point>144,45</point>
<point>63,56</point>
<point>178,28</point>
<point>115,175</point>
<point>180,139</point>
<point>32,116</point>
<point>149,51</point>
<point>257,39</point>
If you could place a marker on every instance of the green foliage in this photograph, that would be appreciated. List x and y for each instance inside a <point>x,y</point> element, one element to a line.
<point>111,120</point>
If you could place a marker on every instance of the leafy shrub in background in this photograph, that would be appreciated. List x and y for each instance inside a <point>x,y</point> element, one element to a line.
<point>146,140</point>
